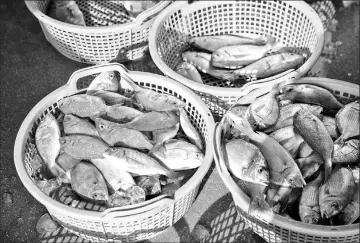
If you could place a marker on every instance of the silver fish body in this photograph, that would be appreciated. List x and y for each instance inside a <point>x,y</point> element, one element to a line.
<point>75,125</point>
<point>113,98</point>
<point>121,114</point>
<point>190,130</point>
<point>83,105</point>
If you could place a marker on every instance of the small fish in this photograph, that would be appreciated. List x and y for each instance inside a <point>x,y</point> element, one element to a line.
<point>83,147</point>
<point>264,111</point>
<point>337,192</point>
<point>104,81</point>
<point>271,65</point>
<point>245,161</point>
<point>309,208</point>
<point>351,212</point>
<point>47,143</point>
<point>134,8</point>
<point>311,94</point>
<point>115,135</point>
<point>330,124</point>
<point>287,113</point>
<point>347,152</point>
<point>83,105</point>
<point>310,164</point>
<point>113,98</point>
<point>213,42</point>
<point>75,125</point>
<point>150,184</point>
<point>189,71</point>
<point>121,114</point>
<point>154,101</point>
<point>289,138</point>
<point>190,130</point>
<point>240,55</point>
<point>153,120</point>
<point>282,167</point>
<point>179,155</point>
<point>316,135</point>
<point>88,182</point>
<point>348,122</point>
<point>253,95</point>
<point>163,135</point>
<point>66,11</point>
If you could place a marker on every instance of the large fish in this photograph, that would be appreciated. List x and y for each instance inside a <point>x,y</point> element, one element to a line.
<point>264,111</point>
<point>311,94</point>
<point>316,135</point>
<point>154,101</point>
<point>347,152</point>
<point>348,121</point>
<point>190,131</point>
<point>162,135</point>
<point>330,124</point>
<point>310,164</point>
<point>189,71</point>
<point>88,182</point>
<point>289,138</point>
<point>121,114</point>
<point>236,56</point>
<point>246,162</point>
<point>309,208</point>
<point>83,147</point>
<point>115,135</point>
<point>282,167</point>
<point>337,192</point>
<point>83,105</point>
<point>47,143</point>
<point>75,125</point>
<point>271,65</point>
<point>177,154</point>
<point>104,81</point>
<point>213,42</point>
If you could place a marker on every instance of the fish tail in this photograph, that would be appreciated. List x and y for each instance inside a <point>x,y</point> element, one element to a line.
<point>258,204</point>
<point>270,40</point>
<point>328,168</point>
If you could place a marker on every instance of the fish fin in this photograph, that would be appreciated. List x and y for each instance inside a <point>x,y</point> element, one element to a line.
<point>328,168</point>
<point>258,204</point>
<point>175,177</point>
<point>157,148</point>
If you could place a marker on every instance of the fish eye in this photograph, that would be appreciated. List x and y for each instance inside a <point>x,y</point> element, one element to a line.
<point>260,170</point>
<point>315,220</point>
<point>291,180</point>
<point>334,205</point>
<point>111,75</point>
<point>101,126</point>
<point>289,89</point>
<point>255,124</point>
<point>95,182</point>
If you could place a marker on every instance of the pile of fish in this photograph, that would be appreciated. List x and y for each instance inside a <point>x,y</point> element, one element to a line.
<point>115,147</point>
<point>236,58</point>
<point>295,151</point>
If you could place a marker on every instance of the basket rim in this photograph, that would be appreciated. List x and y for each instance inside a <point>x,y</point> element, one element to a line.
<point>139,20</point>
<point>228,91</point>
<point>272,218</point>
<point>53,205</point>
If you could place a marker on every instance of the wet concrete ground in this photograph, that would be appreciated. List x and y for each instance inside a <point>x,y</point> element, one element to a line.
<point>31,68</point>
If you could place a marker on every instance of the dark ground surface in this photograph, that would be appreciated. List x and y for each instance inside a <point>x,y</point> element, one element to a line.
<point>31,68</point>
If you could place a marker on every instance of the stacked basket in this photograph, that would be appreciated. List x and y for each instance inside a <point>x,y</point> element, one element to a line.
<point>130,223</point>
<point>293,23</point>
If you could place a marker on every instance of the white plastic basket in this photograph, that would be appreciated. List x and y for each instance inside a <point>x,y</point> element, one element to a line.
<point>126,224</point>
<point>273,227</point>
<point>108,30</point>
<point>294,23</point>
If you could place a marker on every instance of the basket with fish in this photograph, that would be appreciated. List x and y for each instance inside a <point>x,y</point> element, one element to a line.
<point>93,31</point>
<point>290,159</point>
<point>217,47</point>
<point>115,161</point>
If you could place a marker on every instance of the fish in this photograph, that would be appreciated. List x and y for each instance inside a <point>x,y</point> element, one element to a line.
<point>66,11</point>
<point>330,124</point>
<point>246,162</point>
<point>75,125</point>
<point>280,199</point>
<point>115,135</point>
<point>304,150</point>
<point>121,114</point>
<point>282,167</point>
<point>264,111</point>
<point>271,65</point>
<point>310,164</point>
<point>83,147</point>
<point>162,135</point>
<point>154,101</point>
<point>316,135</point>
<point>190,131</point>
<point>236,56</point>
<point>113,98</point>
<point>309,208</point>
<point>189,71</point>
<point>347,152</point>
<point>83,105</point>
<point>202,61</point>
<point>66,161</point>
<point>150,184</point>
<point>287,113</point>
<point>88,182</point>
<point>311,94</point>
<point>213,42</point>
<point>48,146</point>
<point>253,95</point>
<point>348,121</point>
<point>177,154</point>
<point>351,212</point>
<point>106,81</point>
<point>289,138</point>
<point>153,120</point>
<point>134,8</point>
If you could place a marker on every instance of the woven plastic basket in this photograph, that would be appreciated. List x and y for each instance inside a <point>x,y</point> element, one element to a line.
<point>273,227</point>
<point>326,12</point>
<point>294,23</point>
<point>131,223</point>
<point>108,29</point>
